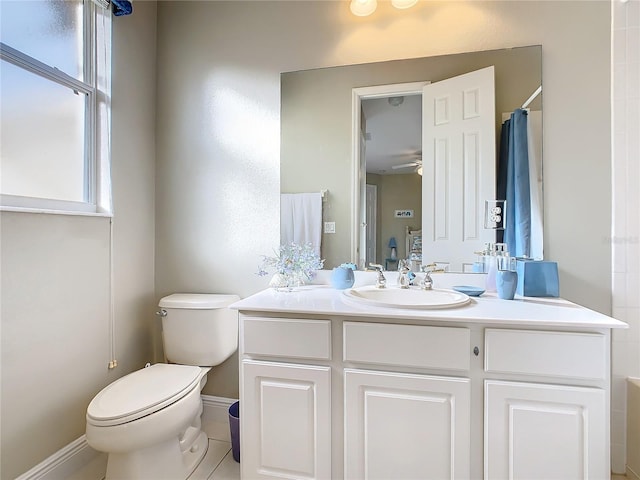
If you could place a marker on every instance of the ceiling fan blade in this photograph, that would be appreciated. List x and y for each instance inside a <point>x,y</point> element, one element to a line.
<point>410,151</point>
<point>405,165</point>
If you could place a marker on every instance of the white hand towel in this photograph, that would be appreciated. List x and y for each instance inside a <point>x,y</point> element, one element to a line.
<point>301,219</point>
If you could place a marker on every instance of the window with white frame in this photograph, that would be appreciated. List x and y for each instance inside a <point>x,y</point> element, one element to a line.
<point>54,105</point>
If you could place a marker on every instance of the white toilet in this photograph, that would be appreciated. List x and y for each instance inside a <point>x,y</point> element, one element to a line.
<point>149,421</point>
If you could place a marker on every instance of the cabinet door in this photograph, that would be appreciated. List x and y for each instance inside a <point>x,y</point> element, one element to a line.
<point>285,421</point>
<point>535,431</point>
<point>404,426</point>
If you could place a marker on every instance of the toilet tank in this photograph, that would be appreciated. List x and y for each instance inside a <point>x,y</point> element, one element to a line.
<point>199,329</point>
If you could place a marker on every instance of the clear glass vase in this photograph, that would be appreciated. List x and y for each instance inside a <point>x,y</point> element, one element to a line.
<point>287,281</point>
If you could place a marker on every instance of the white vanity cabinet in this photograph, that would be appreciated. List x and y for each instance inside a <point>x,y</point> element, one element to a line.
<point>494,390</point>
<point>285,407</point>
<point>404,399</point>
<point>406,425</point>
<point>286,421</point>
<point>400,425</point>
<point>546,430</point>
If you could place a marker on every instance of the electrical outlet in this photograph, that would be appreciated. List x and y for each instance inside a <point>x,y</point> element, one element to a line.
<point>494,211</point>
<point>329,227</point>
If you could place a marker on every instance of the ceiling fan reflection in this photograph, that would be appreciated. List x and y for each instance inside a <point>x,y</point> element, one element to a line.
<point>416,164</point>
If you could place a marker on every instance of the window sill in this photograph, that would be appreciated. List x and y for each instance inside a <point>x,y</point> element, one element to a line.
<point>13,203</point>
<point>49,211</point>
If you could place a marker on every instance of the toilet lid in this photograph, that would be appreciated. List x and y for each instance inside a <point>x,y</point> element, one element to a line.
<point>142,392</point>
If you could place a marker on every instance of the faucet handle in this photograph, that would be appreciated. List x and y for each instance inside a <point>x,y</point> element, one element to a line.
<point>381,281</point>
<point>426,283</point>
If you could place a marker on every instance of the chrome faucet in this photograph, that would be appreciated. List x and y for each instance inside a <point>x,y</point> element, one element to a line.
<point>381,281</point>
<point>426,283</point>
<point>404,274</point>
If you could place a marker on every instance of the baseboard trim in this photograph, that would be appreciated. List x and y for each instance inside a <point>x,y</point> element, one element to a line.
<point>77,454</point>
<point>217,403</point>
<point>215,417</point>
<point>632,475</point>
<point>64,462</point>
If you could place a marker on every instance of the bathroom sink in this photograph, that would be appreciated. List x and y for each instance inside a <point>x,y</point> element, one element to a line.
<point>413,297</point>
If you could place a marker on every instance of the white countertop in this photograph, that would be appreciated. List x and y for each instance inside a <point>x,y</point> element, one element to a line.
<point>532,311</point>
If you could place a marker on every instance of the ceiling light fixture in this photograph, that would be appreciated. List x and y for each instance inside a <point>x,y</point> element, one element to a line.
<point>402,4</point>
<point>362,8</point>
<point>395,101</point>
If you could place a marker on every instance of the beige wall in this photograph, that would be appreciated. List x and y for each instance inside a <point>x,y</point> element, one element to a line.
<point>397,192</point>
<point>218,178</point>
<point>55,272</point>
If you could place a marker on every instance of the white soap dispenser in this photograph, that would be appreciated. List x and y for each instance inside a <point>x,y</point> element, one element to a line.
<point>495,250</point>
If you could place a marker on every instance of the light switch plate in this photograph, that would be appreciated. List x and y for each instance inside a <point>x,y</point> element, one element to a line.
<point>329,227</point>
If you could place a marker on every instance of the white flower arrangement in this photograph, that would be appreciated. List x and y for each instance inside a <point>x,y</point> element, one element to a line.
<point>293,265</point>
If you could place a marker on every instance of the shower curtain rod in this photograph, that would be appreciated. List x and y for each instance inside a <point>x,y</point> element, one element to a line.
<point>532,97</point>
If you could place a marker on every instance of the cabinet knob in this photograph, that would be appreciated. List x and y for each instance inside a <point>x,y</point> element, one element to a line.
<point>476,351</point>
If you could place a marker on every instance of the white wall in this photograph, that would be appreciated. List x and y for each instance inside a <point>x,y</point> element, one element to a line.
<point>55,272</point>
<point>626,214</point>
<point>218,124</point>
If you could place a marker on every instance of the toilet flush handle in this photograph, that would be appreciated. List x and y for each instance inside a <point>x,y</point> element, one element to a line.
<point>161,313</point>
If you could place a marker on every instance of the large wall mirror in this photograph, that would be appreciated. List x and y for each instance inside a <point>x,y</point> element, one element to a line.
<point>378,170</point>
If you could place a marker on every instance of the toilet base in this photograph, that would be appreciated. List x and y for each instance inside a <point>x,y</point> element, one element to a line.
<point>164,460</point>
<point>166,444</point>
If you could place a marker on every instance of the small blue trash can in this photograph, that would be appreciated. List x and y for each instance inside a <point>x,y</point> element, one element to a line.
<point>234,426</point>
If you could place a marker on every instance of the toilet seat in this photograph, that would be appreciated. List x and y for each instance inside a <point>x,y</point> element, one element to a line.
<point>142,393</point>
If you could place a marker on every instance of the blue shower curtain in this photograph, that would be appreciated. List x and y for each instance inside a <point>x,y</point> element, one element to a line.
<point>514,185</point>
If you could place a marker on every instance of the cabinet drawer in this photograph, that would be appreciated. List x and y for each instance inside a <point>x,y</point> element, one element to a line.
<point>407,345</point>
<point>556,354</point>
<point>290,337</point>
